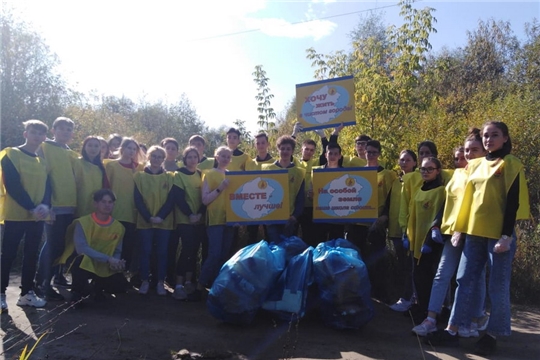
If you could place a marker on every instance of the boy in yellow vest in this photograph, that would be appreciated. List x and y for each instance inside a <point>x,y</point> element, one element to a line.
<point>59,159</point>
<point>24,204</point>
<point>239,158</point>
<point>98,244</point>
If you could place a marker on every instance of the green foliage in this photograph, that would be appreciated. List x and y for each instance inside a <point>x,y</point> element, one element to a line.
<point>266,113</point>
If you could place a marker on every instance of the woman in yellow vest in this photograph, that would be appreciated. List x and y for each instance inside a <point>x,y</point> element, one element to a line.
<point>407,163</point>
<point>154,203</point>
<point>189,218</point>
<point>424,208</point>
<point>495,197</point>
<point>90,175</point>
<point>98,244</point>
<point>220,236</point>
<point>120,174</point>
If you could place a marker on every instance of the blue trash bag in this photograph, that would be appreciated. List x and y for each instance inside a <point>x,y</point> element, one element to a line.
<point>287,299</point>
<point>292,245</point>
<point>244,281</point>
<point>343,283</point>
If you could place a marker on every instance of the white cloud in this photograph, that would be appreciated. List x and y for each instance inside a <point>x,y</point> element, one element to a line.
<point>316,29</point>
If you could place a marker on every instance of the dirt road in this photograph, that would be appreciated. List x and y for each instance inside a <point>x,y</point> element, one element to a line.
<point>132,326</point>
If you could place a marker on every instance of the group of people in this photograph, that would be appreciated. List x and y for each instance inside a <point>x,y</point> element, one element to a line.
<point>108,210</point>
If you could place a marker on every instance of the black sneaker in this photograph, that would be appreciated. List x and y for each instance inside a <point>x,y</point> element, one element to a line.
<point>61,281</point>
<point>442,338</point>
<point>49,294</point>
<point>486,345</point>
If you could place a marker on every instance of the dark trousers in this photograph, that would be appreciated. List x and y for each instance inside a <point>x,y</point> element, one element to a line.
<point>192,236</point>
<point>172,258</point>
<point>308,230</point>
<point>14,231</point>
<point>53,248</point>
<point>113,284</point>
<point>131,247</point>
<point>325,232</point>
<point>253,233</point>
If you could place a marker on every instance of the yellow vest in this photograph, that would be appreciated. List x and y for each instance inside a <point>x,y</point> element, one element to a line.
<point>123,186</point>
<point>191,184</point>
<point>385,180</point>
<point>353,161</point>
<point>89,179</point>
<point>215,211</point>
<point>104,239</point>
<point>424,209</point>
<point>206,164</point>
<point>296,177</point>
<point>60,169</point>
<point>238,163</point>
<point>454,194</point>
<point>394,230</point>
<point>484,201</point>
<point>254,165</point>
<point>308,167</point>
<point>154,190</point>
<point>33,174</point>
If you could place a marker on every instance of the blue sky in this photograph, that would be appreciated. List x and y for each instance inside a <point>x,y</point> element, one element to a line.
<point>161,49</point>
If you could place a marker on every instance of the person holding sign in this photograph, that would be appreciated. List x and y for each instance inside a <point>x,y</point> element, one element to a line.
<point>220,236</point>
<point>286,145</point>
<point>263,157</point>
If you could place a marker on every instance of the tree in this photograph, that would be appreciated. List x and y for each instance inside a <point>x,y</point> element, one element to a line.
<point>31,87</point>
<point>266,113</point>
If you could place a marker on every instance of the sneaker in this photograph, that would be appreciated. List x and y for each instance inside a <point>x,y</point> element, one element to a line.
<point>482,323</point>
<point>180,293</point>
<point>47,292</point>
<point>3,302</point>
<point>401,305</point>
<point>61,281</point>
<point>143,289</point>
<point>160,289</point>
<point>189,287</point>
<point>31,299</point>
<point>465,332</point>
<point>426,327</point>
<point>486,345</point>
<point>442,338</point>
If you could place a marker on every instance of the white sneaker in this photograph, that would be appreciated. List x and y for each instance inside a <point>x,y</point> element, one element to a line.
<point>143,289</point>
<point>179,293</point>
<point>3,303</point>
<point>427,326</point>
<point>467,332</point>
<point>160,289</point>
<point>401,305</point>
<point>31,299</point>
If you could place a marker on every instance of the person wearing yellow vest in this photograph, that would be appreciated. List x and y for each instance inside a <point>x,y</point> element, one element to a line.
<point>120,173</point>
<point>239,158</point>
<point>263,157</point>
<point>114,146</point>
<point>189,219</point>
<point>171,147</point>
<point>360,143</point>
<point>154,202</point>
<point>452,250</point>
<point>423,220</point>
<point>220,236</point>
<point>495,196</point>
<point>90,175</point>
<point>24,203</point>
<point>296,175</point>
<point>407,163</point>
<point>98,246</point>
<point>198,142</point>
<point>59,159</point>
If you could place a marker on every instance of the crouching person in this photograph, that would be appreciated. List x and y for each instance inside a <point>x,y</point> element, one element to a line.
<point>97,239</point>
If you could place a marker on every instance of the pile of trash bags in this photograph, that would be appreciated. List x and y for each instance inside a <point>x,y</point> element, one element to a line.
<point>289,277</point>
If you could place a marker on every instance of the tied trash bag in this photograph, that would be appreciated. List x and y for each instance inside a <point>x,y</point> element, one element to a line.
<point>292,245</point>
<point>344,288</point>
<point>287,299</point>
<point>244,281</point>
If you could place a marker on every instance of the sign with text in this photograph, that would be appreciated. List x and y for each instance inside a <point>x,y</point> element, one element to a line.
<point>345,195</point>
<point>326,103</point>
<point>257,197</point>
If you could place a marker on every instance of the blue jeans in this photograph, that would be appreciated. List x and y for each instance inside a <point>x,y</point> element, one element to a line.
<point>477,251</point>
<point>52,248</point>
<point>447,267</point>
<point>14,231</point>
<point>161,238</point>
<point>220,239</point>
